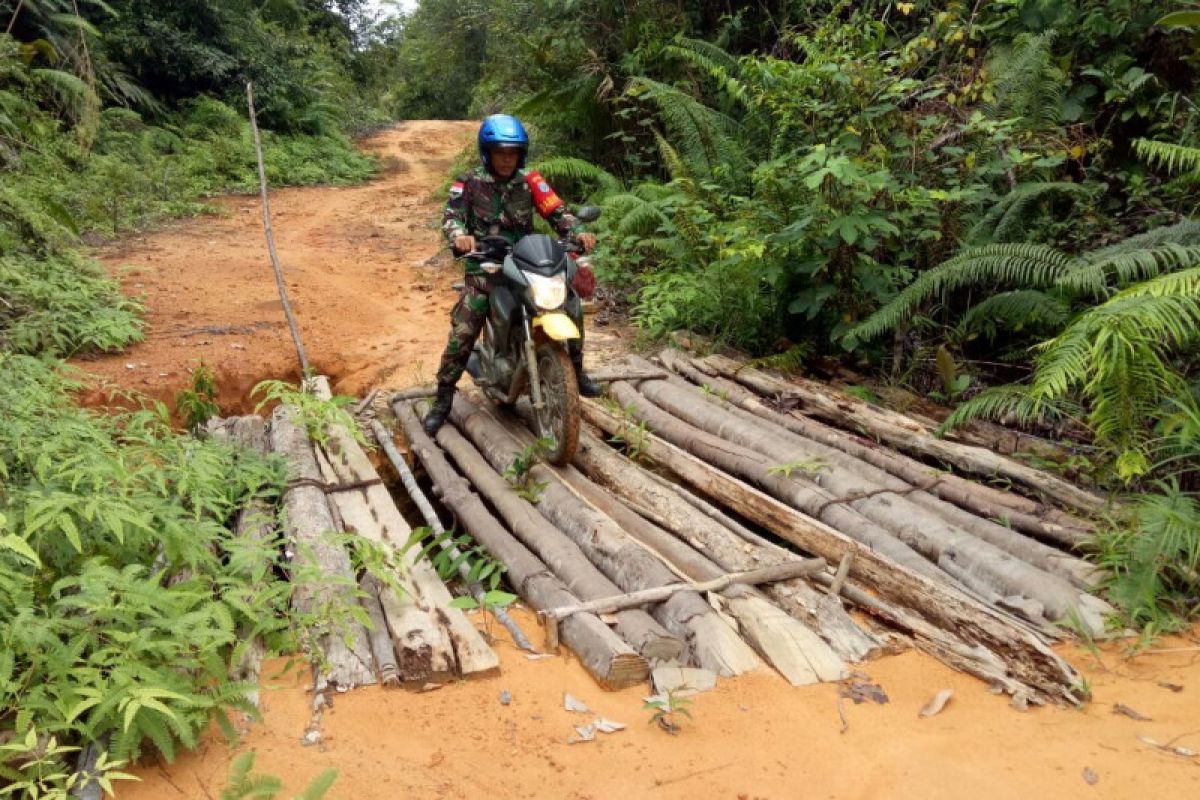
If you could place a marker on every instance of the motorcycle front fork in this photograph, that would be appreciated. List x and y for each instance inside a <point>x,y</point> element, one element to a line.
<point>535,385</point>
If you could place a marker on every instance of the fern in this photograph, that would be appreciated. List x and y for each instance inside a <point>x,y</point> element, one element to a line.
<point>579,171</point>
<point>1097,275</point>
<point>1028,84</point>
<point>1023,265</point>
<point>1017,310</point>
<point>1174,158</point>
<point>1006,220</point>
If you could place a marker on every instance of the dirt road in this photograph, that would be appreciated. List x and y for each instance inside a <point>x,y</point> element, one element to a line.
<point>372,298</point>
<point>365,267</point>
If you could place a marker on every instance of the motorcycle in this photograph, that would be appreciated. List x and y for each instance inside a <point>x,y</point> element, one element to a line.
<point>533,314</point>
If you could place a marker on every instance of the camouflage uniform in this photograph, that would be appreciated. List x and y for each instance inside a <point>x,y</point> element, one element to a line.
<point>480,205</point>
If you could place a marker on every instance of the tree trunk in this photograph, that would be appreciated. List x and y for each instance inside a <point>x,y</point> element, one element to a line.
<point>954,628</point>
<point>755,468</point>
<point>1018,512</point>
<point>662,503</point>
<point>881,497</point>
<point>603,653</point>
<point>900,432</point>
<point>322,574</point>
<point>429,621</point>
<point>710,643</point>
<point>564,558</point>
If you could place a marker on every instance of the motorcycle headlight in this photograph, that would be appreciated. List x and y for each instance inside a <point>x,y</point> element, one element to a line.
<point>547,293</point>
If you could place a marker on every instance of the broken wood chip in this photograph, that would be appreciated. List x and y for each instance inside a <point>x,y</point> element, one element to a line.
<point>538,656</point>
<point>938,702</point>
<point>607,725</point>
<point>429,687</point>
<point>1174,687</point>
<point>585,733</point>
<point>1121,708</point>
<point>1090,776</point>
<point>859,688</point>
<point>1173,749</point>
<point>572,703</point>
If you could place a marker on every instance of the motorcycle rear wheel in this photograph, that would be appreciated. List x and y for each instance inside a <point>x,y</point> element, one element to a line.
<point>558,421</point>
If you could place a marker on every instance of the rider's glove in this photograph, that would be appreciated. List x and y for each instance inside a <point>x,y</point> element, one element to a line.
<point>587,241</point>
<point>464,243</point>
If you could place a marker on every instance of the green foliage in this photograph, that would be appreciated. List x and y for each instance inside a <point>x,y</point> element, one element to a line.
<point>244,784</point>
<point>667,709</point>
<point>125,596</point>
<point>519,473</point>
<point>318,416</point>
<point>198,404</point>
<point>808,467</point>
<point>481,567</point>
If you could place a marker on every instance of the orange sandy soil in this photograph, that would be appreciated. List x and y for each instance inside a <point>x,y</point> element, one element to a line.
<point>753,737</point>
<point>372,292</point>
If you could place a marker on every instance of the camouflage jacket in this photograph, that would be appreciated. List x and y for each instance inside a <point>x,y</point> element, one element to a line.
<point>480,205</point>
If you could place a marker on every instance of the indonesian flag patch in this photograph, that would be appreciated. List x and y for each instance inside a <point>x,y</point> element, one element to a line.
<point>456,190</point>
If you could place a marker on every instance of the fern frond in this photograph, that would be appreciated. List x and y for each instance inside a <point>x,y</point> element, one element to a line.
<point>1098,275</point>
<point>1023,265</point>
<point>1008,403</point>
<point>703,139</point>
<point>1173,158</point>
<point>1015,310</point>
<point>1028,85</point>
<point>579,170</point>
<point>1007,219</point>
<point>718,64</point>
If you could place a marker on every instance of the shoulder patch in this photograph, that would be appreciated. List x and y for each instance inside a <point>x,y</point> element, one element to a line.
<point>544,198</point>
<point>456,189</point>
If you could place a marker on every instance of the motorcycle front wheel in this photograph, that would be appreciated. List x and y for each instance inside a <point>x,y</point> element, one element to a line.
<point>558,420</point>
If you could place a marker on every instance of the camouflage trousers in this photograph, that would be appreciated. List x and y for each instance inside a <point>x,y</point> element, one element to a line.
<point>466,321</point>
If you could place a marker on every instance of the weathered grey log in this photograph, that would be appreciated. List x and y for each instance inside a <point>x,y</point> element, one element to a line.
<point>380,638</point>
<point>709,640</point>
<point>609,659</point>
<point>954,628</point>
<point>564,558</point>
<point>445,543</point>
<point>708,529</point>
<point>881,497</point>
<point>756,468</point>
<point>795,651</point>
<point>321,570</point>
<point>854,414</point>
<point>89,788</point>
<point>372,513</point>
<point>1019,512</point>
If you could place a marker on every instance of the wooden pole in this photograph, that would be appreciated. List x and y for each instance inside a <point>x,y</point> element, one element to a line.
<point>266,214</point>
<point>777,572</point>
<point>431,519</point>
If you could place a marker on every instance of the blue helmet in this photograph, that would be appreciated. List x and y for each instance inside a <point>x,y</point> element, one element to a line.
<point>502,129</point>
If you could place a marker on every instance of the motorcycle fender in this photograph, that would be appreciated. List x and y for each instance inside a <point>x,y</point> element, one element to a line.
<point>558,327</point>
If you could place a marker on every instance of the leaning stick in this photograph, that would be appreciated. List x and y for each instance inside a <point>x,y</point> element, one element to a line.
<point>435,525</point>
<point>266,213</point>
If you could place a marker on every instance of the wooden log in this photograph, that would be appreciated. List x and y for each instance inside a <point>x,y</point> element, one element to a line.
<point>615,372</point>
<point>708,529</point>
<point>563,557</point>
<point>987,569</point>
<point>710,642</point>
<point>445,543</point>
<point>756,468</point>
<point>1018,512</point>
<point>795,651</point>
<point>609,659</point>
<point>374,515</point>
<point>954,628</point>
<point>899,432</point>
<point>321,571</point>
<point>380,639</point>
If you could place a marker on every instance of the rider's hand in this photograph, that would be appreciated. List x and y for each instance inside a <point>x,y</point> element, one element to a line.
<point>587,241</point>
<point>464,244</point>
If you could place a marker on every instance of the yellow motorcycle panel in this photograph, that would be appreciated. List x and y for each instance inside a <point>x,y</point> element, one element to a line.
<point>557,326</point>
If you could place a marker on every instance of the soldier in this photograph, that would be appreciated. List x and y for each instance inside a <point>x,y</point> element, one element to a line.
<point>496,198</point>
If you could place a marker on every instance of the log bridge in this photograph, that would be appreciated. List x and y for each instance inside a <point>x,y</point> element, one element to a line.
<point>716,516</point>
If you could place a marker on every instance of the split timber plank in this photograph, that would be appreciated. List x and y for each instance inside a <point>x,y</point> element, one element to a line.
<point>346,653</point>
<point>961,632</point>
<point>382,522</point>
<point>611,661</point>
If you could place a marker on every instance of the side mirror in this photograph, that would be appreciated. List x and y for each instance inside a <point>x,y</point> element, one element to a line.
<point>588,213</point>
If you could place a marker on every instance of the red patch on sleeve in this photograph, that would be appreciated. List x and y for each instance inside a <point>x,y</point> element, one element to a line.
<point>544,199</point>
<point>456,189</point>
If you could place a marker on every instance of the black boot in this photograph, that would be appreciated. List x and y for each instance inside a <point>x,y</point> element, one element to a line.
<point>587,386</point>
<point>441,409</point>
